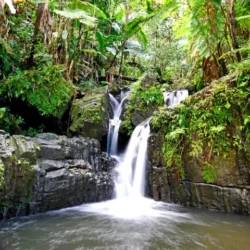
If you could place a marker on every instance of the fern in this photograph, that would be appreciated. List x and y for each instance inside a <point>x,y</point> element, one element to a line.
<point>175,134</point>
<point>208,174</point>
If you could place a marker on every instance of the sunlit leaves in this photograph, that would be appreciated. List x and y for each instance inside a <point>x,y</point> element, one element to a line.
<point>80,15</point>
<point>92,9</point>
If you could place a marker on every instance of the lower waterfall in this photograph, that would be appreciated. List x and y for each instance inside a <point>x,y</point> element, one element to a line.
<point>131,165</point>
<point>131,169</point>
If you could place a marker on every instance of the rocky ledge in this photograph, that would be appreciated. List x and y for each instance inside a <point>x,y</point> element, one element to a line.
<point>51,172</point>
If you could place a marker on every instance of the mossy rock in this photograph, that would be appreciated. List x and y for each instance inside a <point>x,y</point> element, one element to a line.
<point>146,96</point>
<point>90,115</point>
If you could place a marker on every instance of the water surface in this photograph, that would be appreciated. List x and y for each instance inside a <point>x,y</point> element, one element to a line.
<point>119,226</point>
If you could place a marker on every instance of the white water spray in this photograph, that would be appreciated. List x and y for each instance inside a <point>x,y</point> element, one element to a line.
<point>175,97</point>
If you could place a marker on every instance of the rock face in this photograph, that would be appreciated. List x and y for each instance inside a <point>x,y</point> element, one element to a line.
<point>90,115</point>
<point>230,191</point>
<point>50,172</point>
<point>140,116</point>
<point>144,99</point>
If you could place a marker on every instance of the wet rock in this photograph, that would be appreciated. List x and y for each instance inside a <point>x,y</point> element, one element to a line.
<point>90,115</point>
<point>52,172</point>
<point>230,191</point>
<point>135,110</point>
<point>140,116</point>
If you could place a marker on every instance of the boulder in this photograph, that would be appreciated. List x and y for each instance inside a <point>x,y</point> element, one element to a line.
<point>142,102</point>
<point>140,116</point>
<point>90,114</point>
<point>51,172</point>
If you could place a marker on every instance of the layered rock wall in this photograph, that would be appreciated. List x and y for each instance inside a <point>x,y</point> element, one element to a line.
<point>50,172</point>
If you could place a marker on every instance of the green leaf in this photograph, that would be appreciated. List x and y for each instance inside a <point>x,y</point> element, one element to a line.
<point>133,26</point>
<point>142,38</point>
<point>247,120</point>
<point>217,129</point>
<point>175,134</point>
<point>242,17</point>
<point>119,13</point>
<point>88,7</point>
<point>91,51</point>
<point>81,15</point>
<point>228,105</point>
<point>99,38</point>
<point>209,173</point>
<point>2,112</point>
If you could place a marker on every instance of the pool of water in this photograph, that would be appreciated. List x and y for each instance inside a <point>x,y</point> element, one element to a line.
<point>142,225</point>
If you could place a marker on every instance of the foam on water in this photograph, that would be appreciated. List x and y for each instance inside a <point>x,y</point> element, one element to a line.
<point>134,208</point>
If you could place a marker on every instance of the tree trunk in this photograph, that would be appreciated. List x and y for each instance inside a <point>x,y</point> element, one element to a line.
<point>221,61</point>
<point>40,14</point>
<point>233,29</point>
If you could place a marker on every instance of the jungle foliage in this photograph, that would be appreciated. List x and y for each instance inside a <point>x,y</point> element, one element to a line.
<point>52,51</point>
<point>208,123</point>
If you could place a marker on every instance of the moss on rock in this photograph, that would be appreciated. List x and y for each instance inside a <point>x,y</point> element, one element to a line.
<point>146,96</point>
<point>90,115</point>
<point>207,136</point>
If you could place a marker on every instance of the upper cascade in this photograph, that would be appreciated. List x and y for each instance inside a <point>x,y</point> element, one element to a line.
<point>115,122</point>
<point>172,98</point>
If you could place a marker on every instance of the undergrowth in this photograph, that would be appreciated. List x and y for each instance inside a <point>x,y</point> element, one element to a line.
<point>43,88</point>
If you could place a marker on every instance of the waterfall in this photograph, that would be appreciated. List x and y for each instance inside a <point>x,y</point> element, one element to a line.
<point>115,122</point>
<point>174,97</point>
<point>131,166</point>
<point>130,201</point>
<point>131,169</point>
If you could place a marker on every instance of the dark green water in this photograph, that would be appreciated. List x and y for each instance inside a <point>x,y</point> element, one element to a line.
<point>153,226</point>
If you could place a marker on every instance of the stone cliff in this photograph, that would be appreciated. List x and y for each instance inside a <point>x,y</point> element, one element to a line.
<point>199,152</point>
<point>50,172</point>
